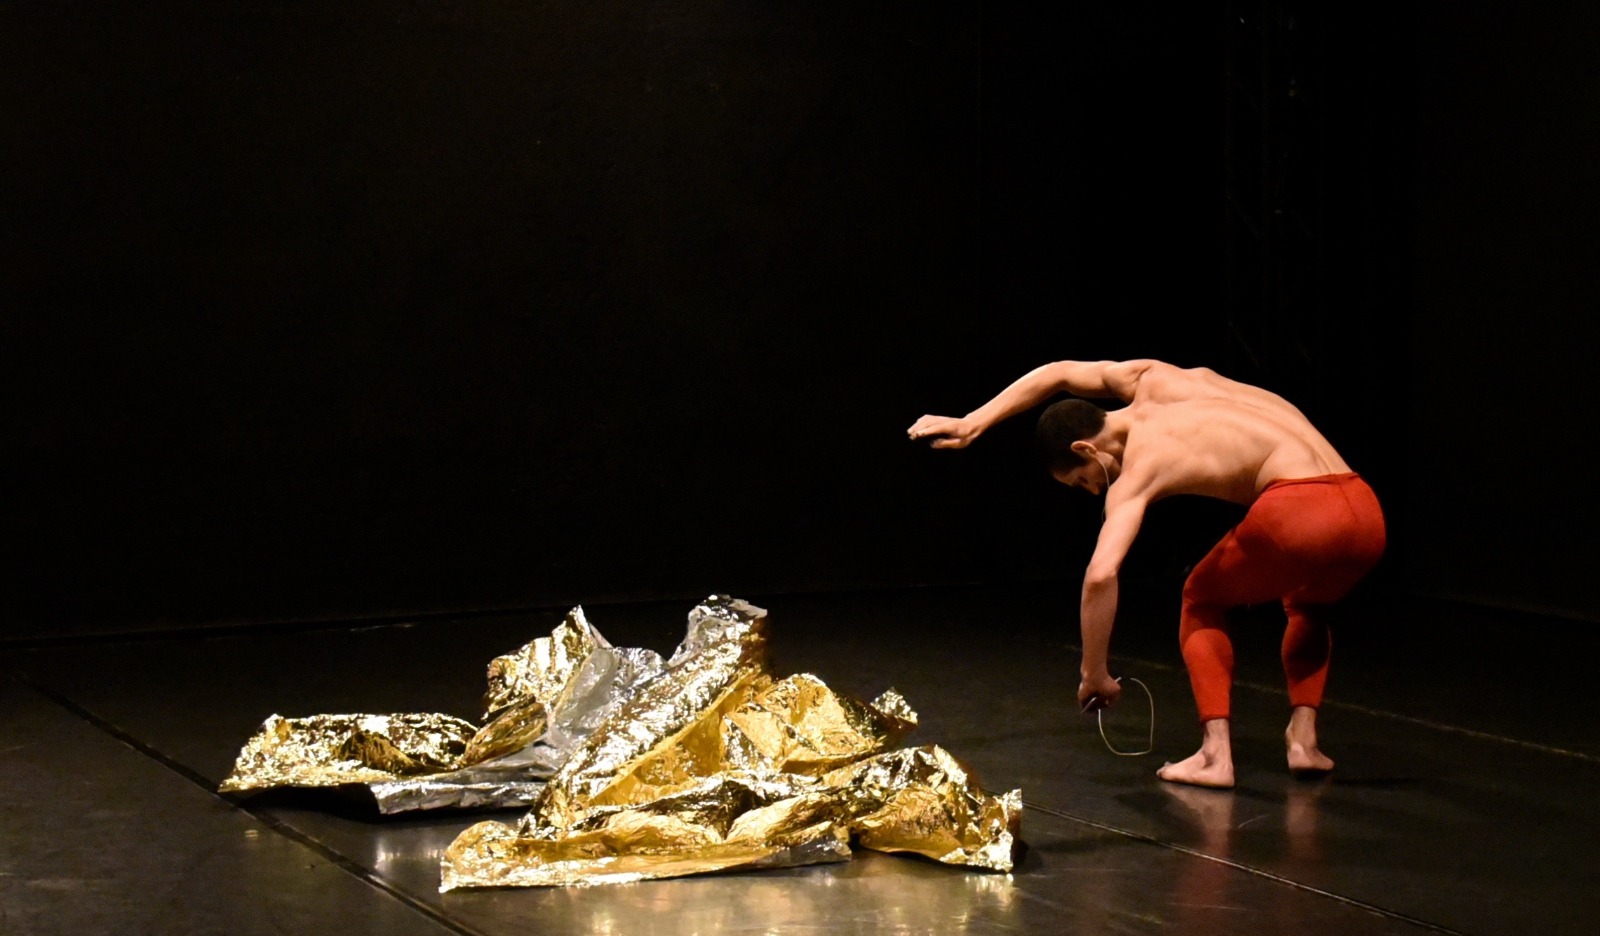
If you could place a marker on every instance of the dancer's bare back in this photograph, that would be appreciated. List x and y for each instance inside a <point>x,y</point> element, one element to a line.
<point>1193,431</point>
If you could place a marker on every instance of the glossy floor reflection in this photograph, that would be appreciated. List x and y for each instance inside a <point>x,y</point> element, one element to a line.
<point>1449,811</point>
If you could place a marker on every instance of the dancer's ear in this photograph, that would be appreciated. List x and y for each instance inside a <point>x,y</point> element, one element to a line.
<point>1084,448</point>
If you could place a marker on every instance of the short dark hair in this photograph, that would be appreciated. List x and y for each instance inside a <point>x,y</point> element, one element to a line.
<point>1064,423</point>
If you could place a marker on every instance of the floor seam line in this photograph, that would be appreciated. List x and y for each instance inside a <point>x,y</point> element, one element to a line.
<point>402,618</point>
<point>337,858</point>
<point>1258,872</point>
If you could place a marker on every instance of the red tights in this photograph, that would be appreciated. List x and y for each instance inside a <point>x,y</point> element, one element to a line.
<point>1305,541</point>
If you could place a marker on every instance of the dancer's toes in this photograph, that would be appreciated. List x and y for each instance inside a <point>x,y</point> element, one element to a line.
<point>1200,770</point>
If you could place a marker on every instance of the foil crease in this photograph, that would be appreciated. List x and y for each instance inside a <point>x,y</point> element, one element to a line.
<point>542,669</point>
<point>799,725</point>
<point>512,729</point>
<point>331,750</point>
<point>397,796</point>
<point>575,676</point>
<point>668,734</point>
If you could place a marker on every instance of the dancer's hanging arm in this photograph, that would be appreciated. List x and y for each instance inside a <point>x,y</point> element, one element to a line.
<point>1092,379</point>
<point>1098,612</point>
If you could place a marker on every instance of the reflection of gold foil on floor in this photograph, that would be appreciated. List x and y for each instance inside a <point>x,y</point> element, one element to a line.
<point>702,763</point>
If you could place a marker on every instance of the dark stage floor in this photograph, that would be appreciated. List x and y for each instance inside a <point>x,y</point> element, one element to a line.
<point>1464,800</point>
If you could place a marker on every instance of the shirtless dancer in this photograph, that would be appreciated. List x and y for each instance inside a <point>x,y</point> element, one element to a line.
<point>1312,531</point>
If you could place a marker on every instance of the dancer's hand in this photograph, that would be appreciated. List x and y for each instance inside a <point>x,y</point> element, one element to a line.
<point>949,432</point>
<point>1098,691</point>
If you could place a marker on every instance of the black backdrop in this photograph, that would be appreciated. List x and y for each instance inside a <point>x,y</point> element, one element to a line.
<point>360,309</point>
<point>373,308</point>
<point>1503,441</point>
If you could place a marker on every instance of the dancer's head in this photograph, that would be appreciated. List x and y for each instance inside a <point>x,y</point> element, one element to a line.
<point>1069,433</point>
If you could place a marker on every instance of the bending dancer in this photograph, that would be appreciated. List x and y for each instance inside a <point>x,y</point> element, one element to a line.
<point>1313,528</point>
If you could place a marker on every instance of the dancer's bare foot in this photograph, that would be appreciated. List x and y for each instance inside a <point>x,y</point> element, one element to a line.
<point>1211,766</point>
<point>1199,770</point>
<point>1305,758</point>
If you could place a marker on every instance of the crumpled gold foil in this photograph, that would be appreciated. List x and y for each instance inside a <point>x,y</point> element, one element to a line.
<point>923,800</point>
<point>575,675</point>
<point>329,750</point>
<point>729,821</point>
<point>669,733</point>
<point>542,669</point>
<point>543,700</point>
<point>799,725</point>
<point>713,765</point>
<point>704,762</point>
<point>918,800</point>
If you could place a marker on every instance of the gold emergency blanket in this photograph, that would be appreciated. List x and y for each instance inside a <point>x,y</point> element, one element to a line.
<point>704,762</point>
<point>714,766</point>
<point>542,701</point>
<point>918,800</point>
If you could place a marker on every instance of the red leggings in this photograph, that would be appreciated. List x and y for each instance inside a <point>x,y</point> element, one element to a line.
<point>1306,541</point>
